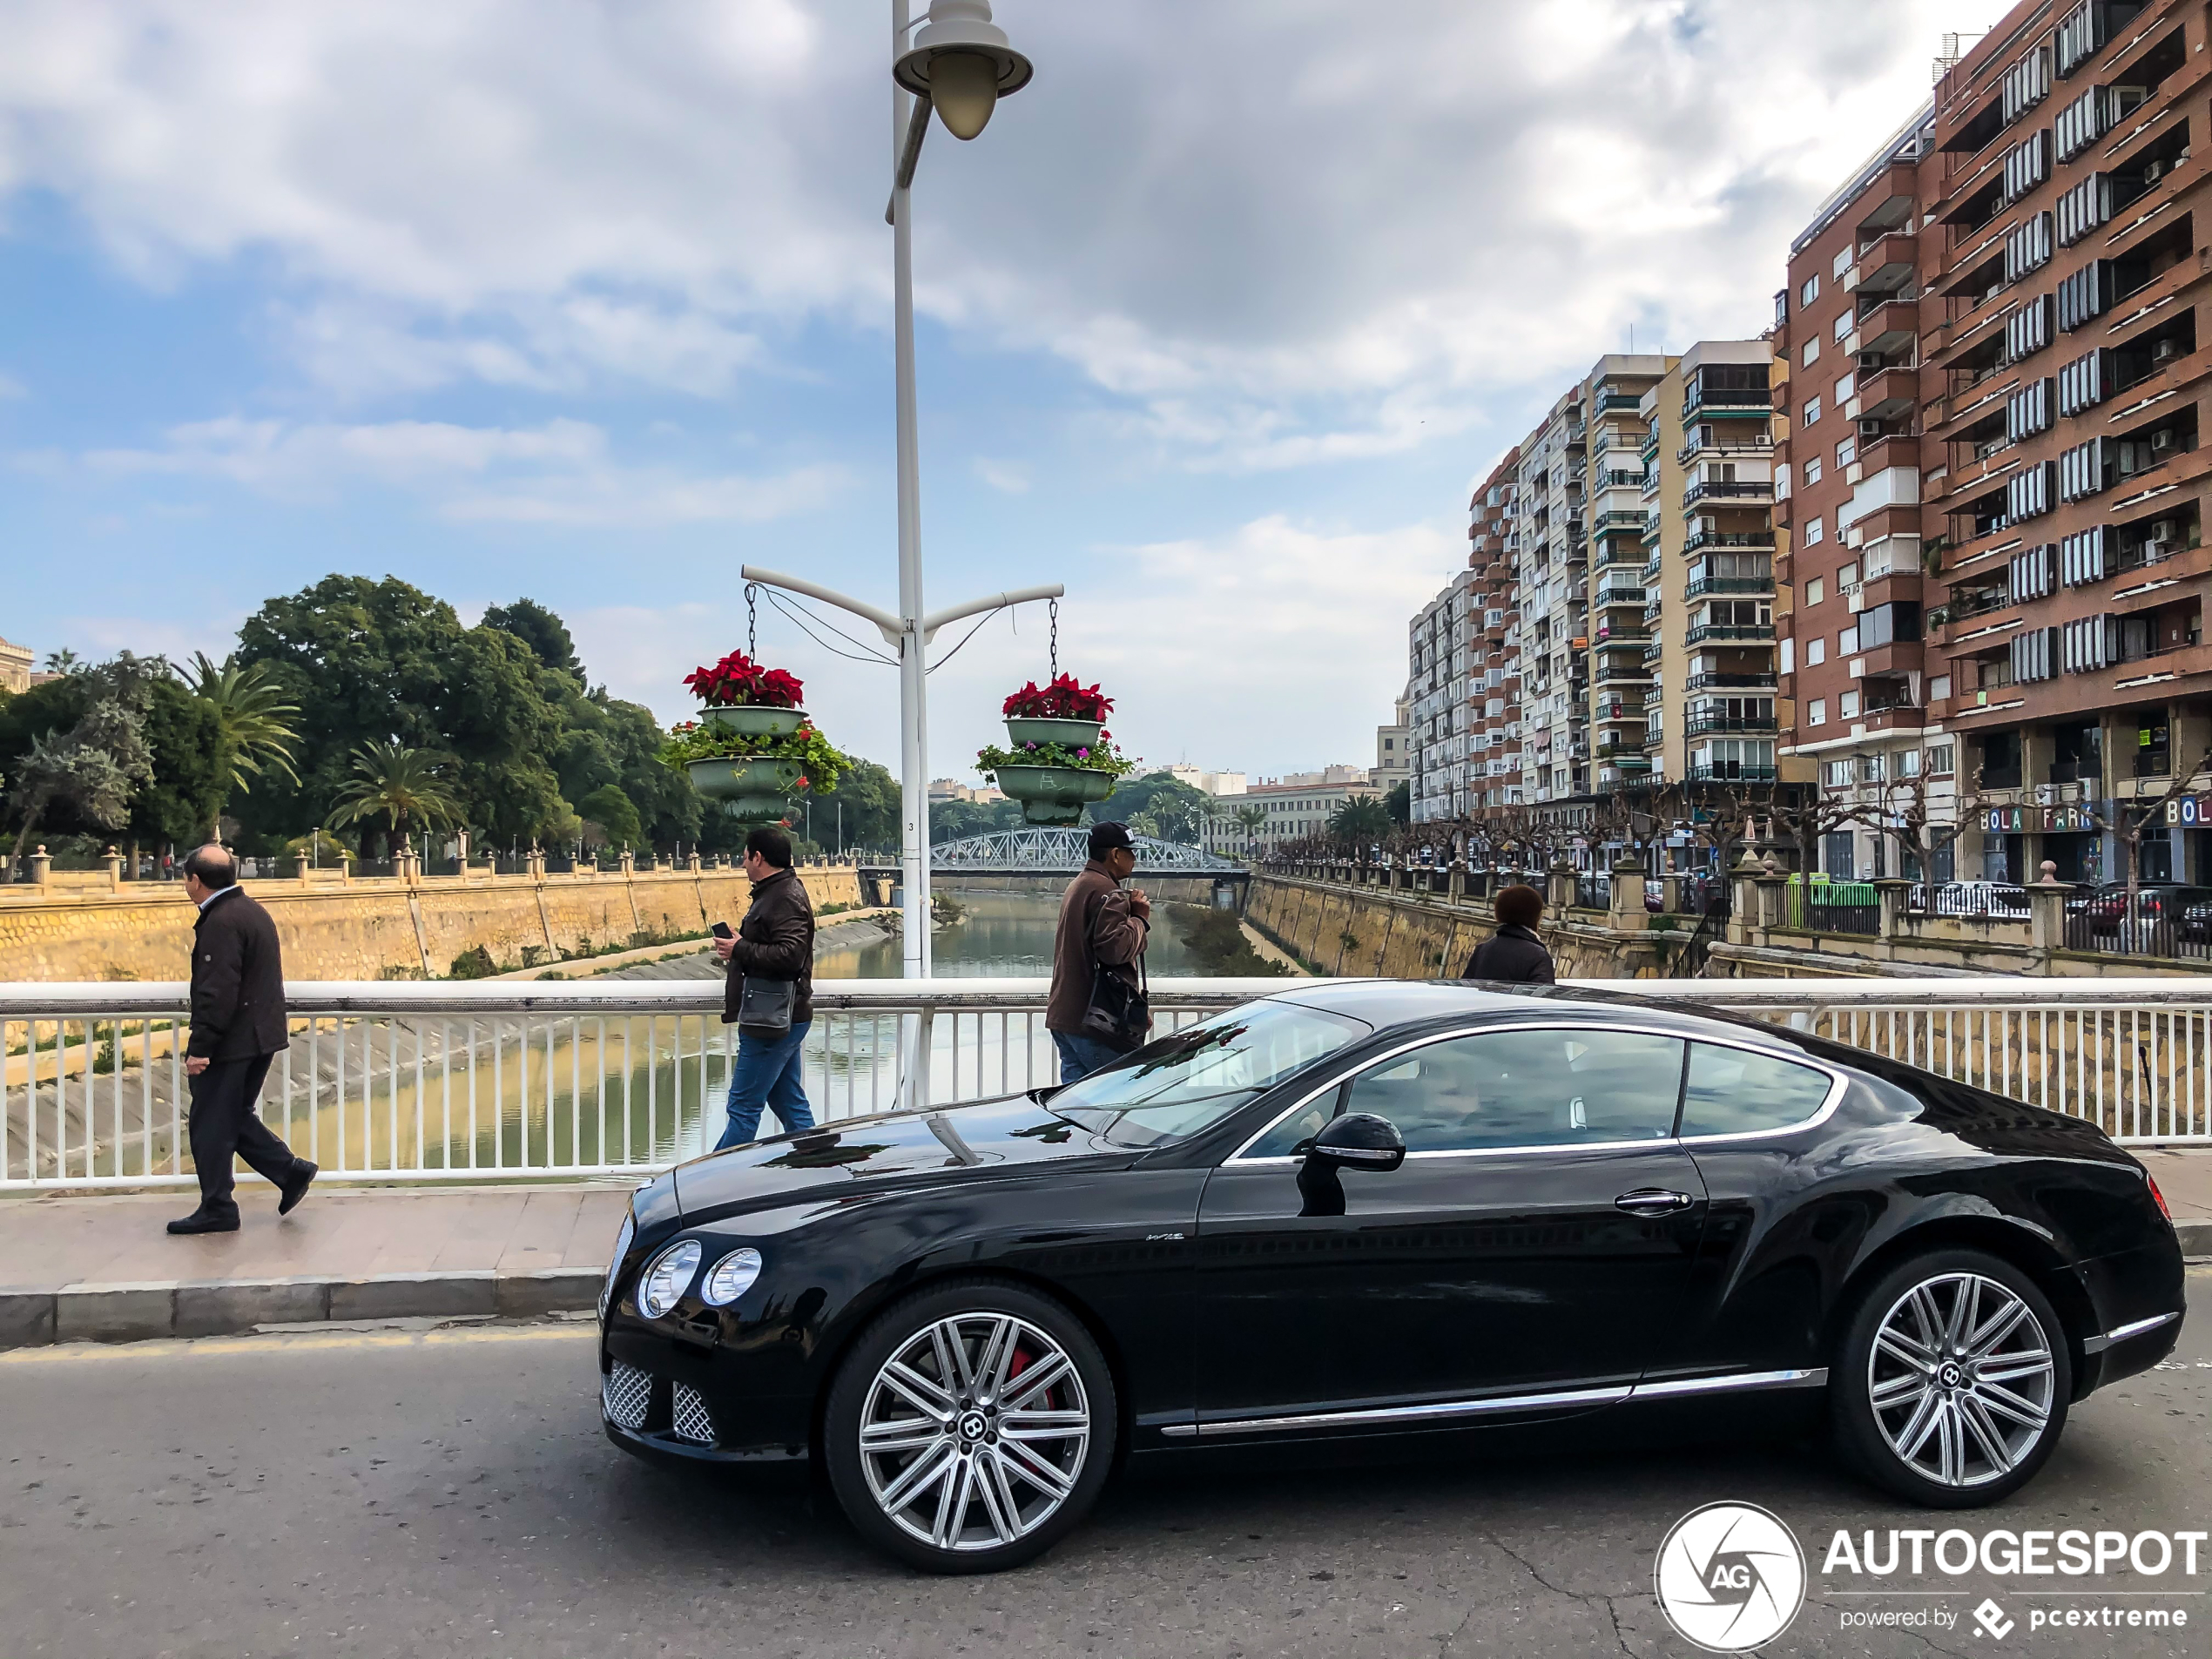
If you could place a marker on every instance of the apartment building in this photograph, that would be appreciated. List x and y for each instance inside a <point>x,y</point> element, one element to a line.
<point>1284,810</point>
<point>15,666</point>
<point>1618,654</point>
<point>1996,493</point>
<point>1711,606</point>
<point>1438,703</point>
<point>1493,624</point>
<point>1394,763</point>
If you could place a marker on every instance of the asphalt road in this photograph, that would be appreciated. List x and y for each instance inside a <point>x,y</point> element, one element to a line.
<point>388,1493</point>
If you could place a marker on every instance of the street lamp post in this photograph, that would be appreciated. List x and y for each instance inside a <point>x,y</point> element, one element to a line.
<point>959,65</point>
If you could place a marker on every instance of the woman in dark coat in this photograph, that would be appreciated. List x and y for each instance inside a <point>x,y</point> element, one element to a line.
<point>1513,955</point>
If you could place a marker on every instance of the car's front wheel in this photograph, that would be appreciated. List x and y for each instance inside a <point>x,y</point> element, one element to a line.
<point>1952,1381</point>
<point>970,1428</point>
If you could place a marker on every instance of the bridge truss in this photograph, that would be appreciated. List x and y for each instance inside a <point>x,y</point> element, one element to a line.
<point>1065,850</point>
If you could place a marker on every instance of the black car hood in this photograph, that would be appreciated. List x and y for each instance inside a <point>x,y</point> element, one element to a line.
<point>952,1143</point>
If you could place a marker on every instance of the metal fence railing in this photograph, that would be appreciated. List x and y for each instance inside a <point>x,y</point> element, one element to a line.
<point>411,1082</point>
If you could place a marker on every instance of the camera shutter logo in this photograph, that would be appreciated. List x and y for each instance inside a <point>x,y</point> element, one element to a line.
<point>1729,1577</point>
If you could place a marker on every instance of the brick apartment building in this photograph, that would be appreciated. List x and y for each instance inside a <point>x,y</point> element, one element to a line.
<point>1992,466</point>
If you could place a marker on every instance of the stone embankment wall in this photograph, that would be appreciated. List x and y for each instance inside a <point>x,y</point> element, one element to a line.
<point>1169,889</point>
<point>385,928</point>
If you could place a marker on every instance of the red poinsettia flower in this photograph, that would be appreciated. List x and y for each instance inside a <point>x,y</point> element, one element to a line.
<point>738,680</point>
<point>1062,698</point>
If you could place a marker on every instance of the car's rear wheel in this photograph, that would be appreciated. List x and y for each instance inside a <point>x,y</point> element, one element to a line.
<point>1950,1385</point>
<point>970,1428</point>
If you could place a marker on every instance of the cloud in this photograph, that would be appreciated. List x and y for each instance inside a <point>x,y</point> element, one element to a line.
<point>1009,477</point>
<point>562,473</point>
<point>1285,243</point>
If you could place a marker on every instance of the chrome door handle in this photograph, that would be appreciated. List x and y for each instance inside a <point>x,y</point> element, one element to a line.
<point>1653,1201</point>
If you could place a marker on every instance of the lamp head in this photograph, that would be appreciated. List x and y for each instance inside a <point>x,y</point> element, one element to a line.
<point>961,62</point>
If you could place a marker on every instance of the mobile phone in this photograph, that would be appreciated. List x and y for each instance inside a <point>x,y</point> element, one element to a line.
<point>720,930</point>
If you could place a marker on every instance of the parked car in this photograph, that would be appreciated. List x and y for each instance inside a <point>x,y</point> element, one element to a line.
<point>2154,902</point>
<point>1377,1210</point>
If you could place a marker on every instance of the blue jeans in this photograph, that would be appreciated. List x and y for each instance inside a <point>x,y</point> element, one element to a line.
<point>1080,1055</point>
<point>767,1072</point>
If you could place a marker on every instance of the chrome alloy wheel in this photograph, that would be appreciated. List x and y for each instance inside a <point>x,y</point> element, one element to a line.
<point>974,1431</point>
<point>1960,1379</point>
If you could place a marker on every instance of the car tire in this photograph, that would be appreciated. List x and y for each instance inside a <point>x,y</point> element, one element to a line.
<point>1951,1382</point>
<point>942,1456</point>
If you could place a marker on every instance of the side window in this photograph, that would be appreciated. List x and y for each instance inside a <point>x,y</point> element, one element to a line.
<point>1733,1091</point>
<point>1506,1089</point>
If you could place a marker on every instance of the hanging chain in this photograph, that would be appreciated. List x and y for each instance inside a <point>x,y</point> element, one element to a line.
<point>1055,639</point>
<point>752,617</point>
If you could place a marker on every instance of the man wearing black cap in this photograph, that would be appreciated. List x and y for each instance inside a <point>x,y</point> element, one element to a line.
<point>1101,923</point>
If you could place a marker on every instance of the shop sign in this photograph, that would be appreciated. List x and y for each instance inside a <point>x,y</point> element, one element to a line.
<point>2048,820</point>
<point>2190,812</point>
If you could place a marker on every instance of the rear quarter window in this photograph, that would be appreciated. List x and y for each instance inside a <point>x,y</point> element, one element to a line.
<point>1735,1091</point>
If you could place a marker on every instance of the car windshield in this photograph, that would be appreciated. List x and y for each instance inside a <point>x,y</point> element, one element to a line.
<point>1172,1088</point>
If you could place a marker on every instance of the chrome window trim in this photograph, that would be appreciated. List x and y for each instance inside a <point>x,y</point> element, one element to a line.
<point>2122,1333</point>
<point>1440,1411</point>
<point>1838,1084</point>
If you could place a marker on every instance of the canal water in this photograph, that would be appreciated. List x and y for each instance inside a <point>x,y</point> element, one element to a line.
<point>1001,935</point>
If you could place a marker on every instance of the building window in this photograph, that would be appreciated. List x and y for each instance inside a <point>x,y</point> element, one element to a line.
<point>1847,641</point>
<point>1844,323</point>
<point>1816,590</point>
<point>1847,705</point>
<point>1816,651</point>
<point>1812,469</point>
<point>1847,452</point>
<point>1814,534</point>
<point>1843,261</point>
<point>1908,763</point>
<point>1810,291</point>
<point>1942,759</point>
<point>1846,388</point>
<point>1813,410</point>
<point>1817,712</point>
<point>1938,687</point>
<point>1812,351</point>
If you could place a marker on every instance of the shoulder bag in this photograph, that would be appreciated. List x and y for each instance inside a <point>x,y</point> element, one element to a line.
<point>1118,1015</point>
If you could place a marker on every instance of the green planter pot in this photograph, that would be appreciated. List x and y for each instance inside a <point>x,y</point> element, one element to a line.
<point>1054,795</point>
<point>748,790</point>
<point>754,721</point>
<point>1075,734</point>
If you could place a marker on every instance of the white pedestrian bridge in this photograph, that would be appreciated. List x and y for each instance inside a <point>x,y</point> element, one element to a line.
<point>392,1081</point>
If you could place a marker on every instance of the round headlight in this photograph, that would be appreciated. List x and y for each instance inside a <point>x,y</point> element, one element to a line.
<point>668,1278</point>
<point>733,1276</point>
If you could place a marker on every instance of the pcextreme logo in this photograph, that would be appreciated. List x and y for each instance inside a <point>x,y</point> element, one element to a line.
<point>1729,1577</point>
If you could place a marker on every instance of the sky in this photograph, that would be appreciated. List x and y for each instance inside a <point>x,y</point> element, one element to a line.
<point>590,301</point>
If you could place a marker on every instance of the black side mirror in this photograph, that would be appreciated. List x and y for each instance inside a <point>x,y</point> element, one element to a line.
<point>1358,1141</point>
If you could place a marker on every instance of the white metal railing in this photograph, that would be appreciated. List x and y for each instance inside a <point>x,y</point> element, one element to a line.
<point>392,1081</point>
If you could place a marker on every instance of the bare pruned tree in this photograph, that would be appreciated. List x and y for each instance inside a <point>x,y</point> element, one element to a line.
<point>2131,821</point>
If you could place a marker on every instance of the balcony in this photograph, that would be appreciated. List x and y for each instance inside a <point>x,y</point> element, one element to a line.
<point>1654,651</point>
<point>1700,539</point>
<point>1650,575</point>
<point>1726,633</point>
<point>1701,402</point>
<point>1750,492</point>
<point>1884,394</point>
<point>1730,441</point>
<point>1728,585</point>
<point>1729,771</point>
<point>1700,725</point>
<point>1608,594</point>
<point>1612,402</point>
<point>1730,679</point>
<point>1619,670</point>
<point>1889,327</point>
<point>1625,633</point>
<point>1885,264</point>
<point>1620,519</point>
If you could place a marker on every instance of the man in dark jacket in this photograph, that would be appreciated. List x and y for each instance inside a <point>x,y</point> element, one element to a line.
<point>1514,953</point>
<point>774,942</point>
<point>1102,922</point>
<point>238,1024</point>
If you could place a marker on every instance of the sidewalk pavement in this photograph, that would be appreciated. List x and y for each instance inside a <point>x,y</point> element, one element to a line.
<point>101,1269</point>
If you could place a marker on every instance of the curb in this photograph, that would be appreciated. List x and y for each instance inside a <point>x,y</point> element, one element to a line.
<point>139,1312</point>
<point>2195,1237</point>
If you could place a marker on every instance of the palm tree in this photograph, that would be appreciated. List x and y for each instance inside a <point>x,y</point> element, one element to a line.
<point>254,716</point>
<point>1252,819</point>
<point>1361,819</point>
<point>402,785</point>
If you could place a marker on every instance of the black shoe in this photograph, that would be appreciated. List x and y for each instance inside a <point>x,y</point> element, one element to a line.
<point>200,1222</point>
<point>296,1188</point>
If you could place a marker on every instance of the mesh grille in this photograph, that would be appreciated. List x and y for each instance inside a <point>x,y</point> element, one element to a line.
<point>624,1395</point>
<point>693,1422</point>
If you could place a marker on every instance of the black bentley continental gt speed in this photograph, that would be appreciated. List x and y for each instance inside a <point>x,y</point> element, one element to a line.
<point>1383,1209</point>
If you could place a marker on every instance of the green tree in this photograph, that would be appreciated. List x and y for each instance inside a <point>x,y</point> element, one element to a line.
<point>1399,802</point>
<point>373,662</point>
<point>1252,819</point>
<point>89,771</point>
<point>546,635</point>
<point>1173,810</point>
<point>1361,818</point>
<point>255,722</point>
<point>402,786</point>
<point>188,758</point>
<point>613,812</point>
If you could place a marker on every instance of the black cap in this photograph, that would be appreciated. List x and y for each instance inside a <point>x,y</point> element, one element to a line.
<point>1104,838</point>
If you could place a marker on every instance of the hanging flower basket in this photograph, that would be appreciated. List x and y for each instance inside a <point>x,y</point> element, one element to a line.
<point>753,748</point>
<point>1060,757</point>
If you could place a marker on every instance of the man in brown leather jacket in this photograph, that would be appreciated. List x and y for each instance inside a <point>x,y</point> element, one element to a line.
<point>1099,922</point>
<point>774,942</point>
